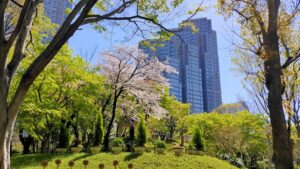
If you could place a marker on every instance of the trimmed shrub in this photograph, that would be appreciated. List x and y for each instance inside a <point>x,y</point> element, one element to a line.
<point>98,130</point>
<point>141,134</point>
<point>197,141</point>
<point>160,144</point>
<point>117,142</point>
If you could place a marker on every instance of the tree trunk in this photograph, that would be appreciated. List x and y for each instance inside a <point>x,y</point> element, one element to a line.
<point>131,132</point>
<point>181,139</point>
<point>44,146</point>
<point>4,121</point>
<point>4,153</point>
<point>83,137</point>
<point>171,132</point>
<point>282,144</point>
<point>26,142</point>
<point>110,124</point>
<point>7,122</point>
<point>6,129</point>
<point>298,130</point>
<point>108,131</point>
<point>118,130</point>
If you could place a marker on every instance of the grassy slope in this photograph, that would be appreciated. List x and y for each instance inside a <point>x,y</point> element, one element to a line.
<point>146,161</point>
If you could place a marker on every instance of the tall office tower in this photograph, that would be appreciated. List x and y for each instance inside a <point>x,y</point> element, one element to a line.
<point>195,57</point>
<point>56,10</point>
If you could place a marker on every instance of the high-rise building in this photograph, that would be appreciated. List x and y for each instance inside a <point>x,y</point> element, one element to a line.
<point>195,57</point>
<point>56,10</point>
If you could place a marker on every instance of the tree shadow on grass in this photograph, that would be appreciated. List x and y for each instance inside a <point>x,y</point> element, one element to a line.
<point>21,161</point>
<point>131,156</point>
<point>82,156</point>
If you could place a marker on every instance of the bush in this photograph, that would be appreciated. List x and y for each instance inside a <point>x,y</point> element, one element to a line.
<point>261,164</point>
<point>141,134</point>
<point>160,144</point>
<point>64,137</point>
<point>117,142</point>
<point>149,145</point>
<point>191,146</point>
<point>98,130</point>
<point>197,140</point>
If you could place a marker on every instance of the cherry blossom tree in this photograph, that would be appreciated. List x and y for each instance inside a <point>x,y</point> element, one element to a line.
<point>129,71</point>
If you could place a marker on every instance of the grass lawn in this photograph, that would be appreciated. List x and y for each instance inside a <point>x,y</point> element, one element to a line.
<point>145,161</point>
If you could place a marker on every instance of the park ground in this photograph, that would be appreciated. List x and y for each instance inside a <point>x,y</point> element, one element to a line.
<point>145,161</point>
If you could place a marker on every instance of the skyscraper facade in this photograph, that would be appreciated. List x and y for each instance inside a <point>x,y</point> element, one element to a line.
<point>195,57</point>
<point>56,10</point>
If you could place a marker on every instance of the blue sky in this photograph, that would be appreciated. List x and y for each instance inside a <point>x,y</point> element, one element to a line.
<point>87,42</point>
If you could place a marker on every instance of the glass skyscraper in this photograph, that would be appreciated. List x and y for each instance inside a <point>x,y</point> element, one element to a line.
<point>195,57</point>
<point>56,10</point>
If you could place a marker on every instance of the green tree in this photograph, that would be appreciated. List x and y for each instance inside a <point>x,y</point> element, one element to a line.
<point>197,141</point>
<point>66,90</point>
<point>182,128</point>
<point>176,111</point>
<point>158,128</point>
<point>99,130</point>
<point>266,30</point>
<point>141,137</point>
<point>233,134</point>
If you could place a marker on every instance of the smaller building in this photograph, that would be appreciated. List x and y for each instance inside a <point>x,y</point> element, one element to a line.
<point>231,108</point>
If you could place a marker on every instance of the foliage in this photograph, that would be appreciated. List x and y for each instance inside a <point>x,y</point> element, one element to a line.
<point>176,112</point>
<point>66,90</point>
<point>158,128</point>
<point>98,130</point>
<point>231,134</point>
<point>117,142</point>
<point>231,108</point>
<point>145,161</point>
<point>160,144</point>
<point>191,146</point>
<point>141,133</point>
<point>197,141</point>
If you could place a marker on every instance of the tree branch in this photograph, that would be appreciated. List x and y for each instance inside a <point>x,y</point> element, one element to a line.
<point>22,35</point>
<point>3,5</point>
<point>17,3</point>
<point>22,21</point>
<point>64,33</point>
<point>291,60</point>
